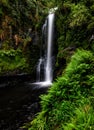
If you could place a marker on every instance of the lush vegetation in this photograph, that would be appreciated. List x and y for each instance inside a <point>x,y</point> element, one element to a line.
<point>75,27</point>
<point>12,62</point>
<point>69,102</point>
<point>18,21</point>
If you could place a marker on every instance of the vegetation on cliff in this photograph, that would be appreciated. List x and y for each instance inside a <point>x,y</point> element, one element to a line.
<point>12,61</point>
<point>75,28</point>
<point>20,24</point>
<point>69,102</point>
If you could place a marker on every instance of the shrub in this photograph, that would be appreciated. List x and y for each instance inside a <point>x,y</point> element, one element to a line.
<point>12,60</point>
<point>69,97</point>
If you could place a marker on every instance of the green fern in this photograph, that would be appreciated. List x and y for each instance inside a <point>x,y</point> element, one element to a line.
<point>63,106</point>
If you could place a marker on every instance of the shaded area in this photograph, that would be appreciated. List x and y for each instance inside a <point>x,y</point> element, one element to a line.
<point>18,104</point>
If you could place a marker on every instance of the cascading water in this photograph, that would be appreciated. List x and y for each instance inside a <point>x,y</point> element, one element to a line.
<point>44,67</point>
<point>48,67</point>
<point>40,63</point>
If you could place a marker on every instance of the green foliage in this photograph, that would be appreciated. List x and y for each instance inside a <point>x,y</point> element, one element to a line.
<point>5,2</point>
<point>79,15</point>
<point>82,120</point>
<point>92,9</point>
<point>90,26</point>
<point>74,22</point>
<point>12,61</point>
<point>68,104</point>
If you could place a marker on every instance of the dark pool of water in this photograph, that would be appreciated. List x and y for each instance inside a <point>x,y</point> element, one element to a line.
<point>18,105</point>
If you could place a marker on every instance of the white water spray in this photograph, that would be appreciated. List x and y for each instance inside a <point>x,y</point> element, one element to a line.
<point>39,69</point>
<point>48,73</point>
<point>44,67</point>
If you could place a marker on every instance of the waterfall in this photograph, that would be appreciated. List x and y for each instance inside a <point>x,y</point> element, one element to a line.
<point>45,63</point>
<point>39,68</point>
<point>48,72</point>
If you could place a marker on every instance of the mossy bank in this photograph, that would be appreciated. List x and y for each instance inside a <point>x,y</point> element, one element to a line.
<point>69,102</point>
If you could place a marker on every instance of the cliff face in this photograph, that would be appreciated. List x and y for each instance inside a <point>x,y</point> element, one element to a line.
<point>19,37</point>
<point>75,28</point>
<point>69,102</point>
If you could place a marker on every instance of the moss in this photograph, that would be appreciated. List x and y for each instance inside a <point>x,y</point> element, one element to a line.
<point>12,61</point>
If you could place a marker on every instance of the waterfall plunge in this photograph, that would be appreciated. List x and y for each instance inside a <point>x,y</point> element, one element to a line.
<point>44,67</point>
<point>48,73</point>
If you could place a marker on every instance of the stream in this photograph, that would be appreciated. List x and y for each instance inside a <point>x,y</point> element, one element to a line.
<point>19,104</point>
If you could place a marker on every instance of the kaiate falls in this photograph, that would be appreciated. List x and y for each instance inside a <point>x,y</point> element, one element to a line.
<point>46,65</point>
